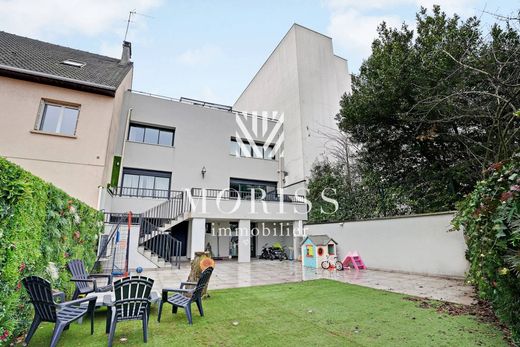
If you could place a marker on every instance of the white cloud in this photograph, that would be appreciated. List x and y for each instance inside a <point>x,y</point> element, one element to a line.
<point>52,18</point>
<point>356,31</point>
<point>450,6</point>
<point>366,4</point>
<point>201,56</point>
<point>461,7</point>
<point>353,23</point>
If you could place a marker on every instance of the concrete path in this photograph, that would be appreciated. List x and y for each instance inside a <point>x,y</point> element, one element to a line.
<point>231,274</point>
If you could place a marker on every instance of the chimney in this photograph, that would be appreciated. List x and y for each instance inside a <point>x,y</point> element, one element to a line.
<point>127,53</point>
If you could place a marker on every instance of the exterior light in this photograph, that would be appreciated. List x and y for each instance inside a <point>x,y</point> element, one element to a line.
<point>203,171</point>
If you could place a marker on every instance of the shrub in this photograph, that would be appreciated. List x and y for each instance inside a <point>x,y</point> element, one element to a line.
<point>490,218</point>
<point>357,199</point>
<point>41,227</point>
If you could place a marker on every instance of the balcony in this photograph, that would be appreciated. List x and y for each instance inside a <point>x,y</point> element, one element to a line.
<point>142,192</point>
<point>257,205</point>
<point>214,203</point>
<point>230,194</point>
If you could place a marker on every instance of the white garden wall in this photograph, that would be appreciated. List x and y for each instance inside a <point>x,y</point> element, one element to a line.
<point>413,244</point>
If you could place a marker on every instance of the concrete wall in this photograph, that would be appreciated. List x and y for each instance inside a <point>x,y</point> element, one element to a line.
<point>415,244</point>
<point>115,125</point>
<point>202,139</point>
<point>75,164</point>
<point>305,80</point>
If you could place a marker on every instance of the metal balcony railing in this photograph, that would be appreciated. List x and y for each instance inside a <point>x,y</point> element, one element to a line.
<point>231,194</point>
<point>140,192</point>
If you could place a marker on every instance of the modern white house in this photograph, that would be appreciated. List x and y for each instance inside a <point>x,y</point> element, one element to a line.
<point>200,175</point>
<point>196,175</point>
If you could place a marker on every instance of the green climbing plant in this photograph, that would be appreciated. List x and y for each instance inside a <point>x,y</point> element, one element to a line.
<point>41,228</point>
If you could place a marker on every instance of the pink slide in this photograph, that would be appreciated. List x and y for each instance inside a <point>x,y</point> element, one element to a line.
<point>355,259</point>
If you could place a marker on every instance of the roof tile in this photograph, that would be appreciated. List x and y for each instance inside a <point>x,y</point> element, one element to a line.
<point>42,57</point>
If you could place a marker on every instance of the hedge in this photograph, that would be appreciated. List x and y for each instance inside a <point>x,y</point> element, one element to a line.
<point>41,228</point>
<point>490,218</point>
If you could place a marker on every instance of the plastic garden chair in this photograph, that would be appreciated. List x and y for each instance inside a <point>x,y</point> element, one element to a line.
<point>185,297</point>
<point>46,310</point>
<point>132,302</point>
<point>86,283</point>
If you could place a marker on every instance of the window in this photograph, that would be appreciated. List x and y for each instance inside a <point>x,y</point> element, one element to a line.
<point>269,153</point>
<point>243,187</point>
<point>244,149</point>
<point>257,150</point>
<point>151,135</point>
<point>145,183</point>
<point>310,251</point>
<point>59,119</point>
<point>74,63</point>
<point>234,148</point>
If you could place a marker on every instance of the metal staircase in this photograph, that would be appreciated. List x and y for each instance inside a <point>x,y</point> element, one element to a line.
<point>156,242</point>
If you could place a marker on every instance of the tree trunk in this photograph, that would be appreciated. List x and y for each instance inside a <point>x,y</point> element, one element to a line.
<point>196,271</point>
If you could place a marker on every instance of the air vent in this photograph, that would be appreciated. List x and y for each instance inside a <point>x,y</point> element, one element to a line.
<point>72,62</point>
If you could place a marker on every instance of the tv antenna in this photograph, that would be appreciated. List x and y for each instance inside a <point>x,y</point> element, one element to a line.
<point>129,20</point>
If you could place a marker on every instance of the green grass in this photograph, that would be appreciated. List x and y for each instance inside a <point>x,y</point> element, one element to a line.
<point>321,312</point>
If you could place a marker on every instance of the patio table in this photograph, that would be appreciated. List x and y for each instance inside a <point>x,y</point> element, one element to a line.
<point>107,300</point>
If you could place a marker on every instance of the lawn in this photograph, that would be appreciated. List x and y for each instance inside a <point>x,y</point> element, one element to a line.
<point>320,312</point>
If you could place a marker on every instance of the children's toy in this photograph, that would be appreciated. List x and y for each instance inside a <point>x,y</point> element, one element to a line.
<point>332,263</point>
<point>355,259</point>
<point>317,249</point>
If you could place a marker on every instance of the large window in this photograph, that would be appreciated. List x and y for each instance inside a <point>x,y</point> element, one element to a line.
<point>246,150</point>
<point>244,188</point>
<point>58,118</point>
<point>151,135</point>
<point>145,183</point>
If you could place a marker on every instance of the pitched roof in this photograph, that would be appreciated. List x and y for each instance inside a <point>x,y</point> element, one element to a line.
<point>319,240</point>
<point>26,58</point>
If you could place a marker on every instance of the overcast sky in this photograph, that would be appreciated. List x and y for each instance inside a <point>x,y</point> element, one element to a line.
<point>211,49</point>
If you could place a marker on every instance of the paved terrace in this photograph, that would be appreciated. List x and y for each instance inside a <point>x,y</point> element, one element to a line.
<point>231,274</point>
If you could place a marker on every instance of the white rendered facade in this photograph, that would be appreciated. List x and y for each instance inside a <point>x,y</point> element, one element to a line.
<point>302,79</point>
<point>305,80</point>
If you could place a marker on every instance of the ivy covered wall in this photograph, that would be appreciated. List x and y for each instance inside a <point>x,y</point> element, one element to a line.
<point>41,229</point>
<point>490,218</point>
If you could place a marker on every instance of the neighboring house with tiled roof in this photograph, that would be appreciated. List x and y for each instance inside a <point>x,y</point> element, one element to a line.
<point>60,108</point>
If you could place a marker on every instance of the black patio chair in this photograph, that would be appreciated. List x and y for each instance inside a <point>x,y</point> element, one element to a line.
<point>184,297</point>
<point>46,310</point>
<point>85,282</point>
<point>132,302</point>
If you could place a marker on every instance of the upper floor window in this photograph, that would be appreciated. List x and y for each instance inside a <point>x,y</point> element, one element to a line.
<point>151,135</point>
<point>248,151</point>
<point>145,183</point>
<point>58,118</point>
<point>245,188</point>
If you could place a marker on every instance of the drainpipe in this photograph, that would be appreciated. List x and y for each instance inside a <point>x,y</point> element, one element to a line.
<point>101,198</point>
<point>281,170</point>
<point>127,126</point>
